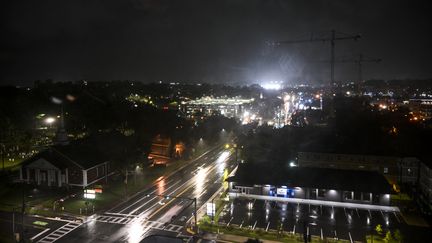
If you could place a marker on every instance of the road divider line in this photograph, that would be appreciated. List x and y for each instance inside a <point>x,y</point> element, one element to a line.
<point>145,196</point>
<point>172,173</point>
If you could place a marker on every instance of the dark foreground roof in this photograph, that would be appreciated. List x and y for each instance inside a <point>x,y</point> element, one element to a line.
<point>322,178</point>
<point>81,155</point>
<point>161,239</point>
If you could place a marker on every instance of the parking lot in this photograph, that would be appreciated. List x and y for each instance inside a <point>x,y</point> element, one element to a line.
<point>322,221</point>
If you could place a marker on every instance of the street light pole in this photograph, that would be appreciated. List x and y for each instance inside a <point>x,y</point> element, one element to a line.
<point>195,213</point>
<point>13,222</point>
<point>22,212</point>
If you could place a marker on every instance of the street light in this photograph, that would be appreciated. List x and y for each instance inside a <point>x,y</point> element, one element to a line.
<point>50,120</point>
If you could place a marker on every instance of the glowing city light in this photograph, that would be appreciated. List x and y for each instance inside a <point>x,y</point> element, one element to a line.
<point>50,120</point>
<point>271,86</point>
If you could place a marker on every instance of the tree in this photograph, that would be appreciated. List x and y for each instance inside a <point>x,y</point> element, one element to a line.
<point>397,236</point>
<point>379,229</point>
<point>388,237</point>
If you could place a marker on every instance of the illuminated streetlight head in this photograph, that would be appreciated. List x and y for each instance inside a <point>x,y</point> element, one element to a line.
<point>50,120</point>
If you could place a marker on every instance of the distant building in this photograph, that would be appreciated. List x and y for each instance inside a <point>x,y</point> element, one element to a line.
<point>421,107</point>
<point>355,186</point>
<point>207,106</point>
<point>396,170</point>
<point>162,150</point>
<point>68,165</point>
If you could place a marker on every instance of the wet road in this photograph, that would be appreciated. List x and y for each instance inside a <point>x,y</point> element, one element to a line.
<point>155,210</point>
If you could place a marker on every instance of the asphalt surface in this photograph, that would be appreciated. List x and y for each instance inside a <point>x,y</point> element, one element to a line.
<point>34,227</point>
<point>330,222</point>
<point>155,210</point>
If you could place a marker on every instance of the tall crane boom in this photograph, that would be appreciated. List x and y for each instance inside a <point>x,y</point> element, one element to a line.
<point>361,59</point>
<point>333,38</point>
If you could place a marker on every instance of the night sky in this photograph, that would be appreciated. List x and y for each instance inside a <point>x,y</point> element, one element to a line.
<point>209,41</point>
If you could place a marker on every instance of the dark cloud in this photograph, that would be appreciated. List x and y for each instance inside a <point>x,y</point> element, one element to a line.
<point>216,41</point>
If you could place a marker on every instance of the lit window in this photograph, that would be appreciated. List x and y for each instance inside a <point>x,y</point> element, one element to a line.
<point>385,170</point>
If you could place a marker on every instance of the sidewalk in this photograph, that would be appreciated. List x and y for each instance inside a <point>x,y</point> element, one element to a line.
<point>317,202</point>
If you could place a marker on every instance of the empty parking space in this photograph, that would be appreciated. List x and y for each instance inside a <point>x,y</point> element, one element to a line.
<point>319,220</point>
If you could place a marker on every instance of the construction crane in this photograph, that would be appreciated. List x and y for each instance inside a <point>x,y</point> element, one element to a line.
<point>361,59</point>
<point>334,36</point>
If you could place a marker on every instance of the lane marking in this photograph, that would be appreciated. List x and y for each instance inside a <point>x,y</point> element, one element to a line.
<point>146,197</point>
<point>60,232</point>
<point>41,233</point>
<point>230,221</point>
<point>217,149</point>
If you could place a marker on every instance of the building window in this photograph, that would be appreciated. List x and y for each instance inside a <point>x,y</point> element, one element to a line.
<point>322,192</point>
<point>409,172</point>
<point>348,195</point>
<point>367,196</point>
<point>357,196</point>
<point>385,170</point>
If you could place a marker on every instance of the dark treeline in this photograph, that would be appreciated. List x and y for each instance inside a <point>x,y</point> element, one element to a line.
<point>100,113</point>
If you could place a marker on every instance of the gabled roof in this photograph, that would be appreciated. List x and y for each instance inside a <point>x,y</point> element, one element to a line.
<point>322,178</point>
<point>79,155</point>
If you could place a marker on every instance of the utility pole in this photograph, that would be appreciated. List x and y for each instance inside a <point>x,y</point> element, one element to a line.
<point>334,36</point>
<point>22,213</point>
<point>332,56</point>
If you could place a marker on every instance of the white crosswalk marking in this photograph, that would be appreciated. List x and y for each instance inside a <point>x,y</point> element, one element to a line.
<point>60,232</point>
<point>113,219</point>
<point>162,226</point>
<point>145,223</point>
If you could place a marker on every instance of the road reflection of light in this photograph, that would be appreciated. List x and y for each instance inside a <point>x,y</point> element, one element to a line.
<point>161,187</point>
<point>220,161</point>
<point>90,223</point>
<point>135,231</point>
<point>250,205</point>
<point>200,178</point>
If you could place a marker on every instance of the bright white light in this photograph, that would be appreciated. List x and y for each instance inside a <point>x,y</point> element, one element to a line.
<point>200,178</point>
<point>271,86</point>
<point>135,231</point>
<point>224,155</point>
<point>250,205</point>
<point>89,196</point>
<point>50,120</point>
<point>292,164</point>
